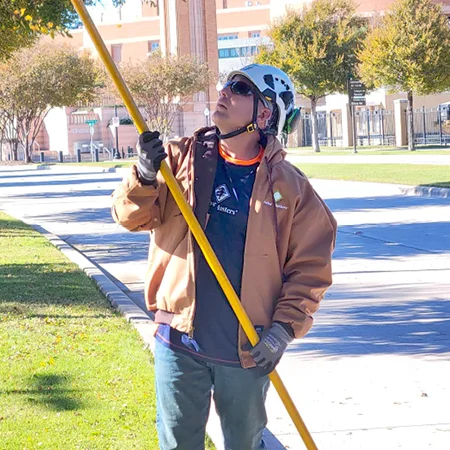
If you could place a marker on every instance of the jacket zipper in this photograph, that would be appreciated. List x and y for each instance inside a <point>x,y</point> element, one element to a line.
<point>191,197</point>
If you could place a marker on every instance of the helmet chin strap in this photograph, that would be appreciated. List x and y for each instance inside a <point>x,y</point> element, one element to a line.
<point>250,128</point>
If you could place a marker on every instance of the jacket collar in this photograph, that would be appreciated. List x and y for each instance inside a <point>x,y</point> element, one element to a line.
<point>273,154</point>
<point>274,151</point>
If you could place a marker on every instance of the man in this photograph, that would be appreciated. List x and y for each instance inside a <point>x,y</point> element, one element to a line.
<point>272,234</point>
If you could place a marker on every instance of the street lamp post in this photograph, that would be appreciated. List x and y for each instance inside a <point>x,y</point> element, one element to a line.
<point>206,113</point>
<point>116,125</point>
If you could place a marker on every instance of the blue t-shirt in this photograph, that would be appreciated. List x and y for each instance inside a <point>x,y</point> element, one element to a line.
<point>216,327</point>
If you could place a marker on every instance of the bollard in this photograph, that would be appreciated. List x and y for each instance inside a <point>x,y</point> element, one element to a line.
<point>78,155</point>
<point>96,154</point>
<point>130,152</point>
<point>42,157</point>
<point>61,157</point>
<point>116,153</point>
<point>123,154</point>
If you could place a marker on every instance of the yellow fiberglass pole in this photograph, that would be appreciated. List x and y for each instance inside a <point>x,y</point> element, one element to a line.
<point>191,220</point>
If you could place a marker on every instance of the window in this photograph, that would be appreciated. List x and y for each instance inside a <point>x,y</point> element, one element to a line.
<point>227,37</point>
<point>254,34</point>
<point>152,46</point>
<point>224,53</point>
<point>234,53</point>
<point>116,52</point>
<point>245,51</point>
<point>248,51</point>
<point>229,53</point>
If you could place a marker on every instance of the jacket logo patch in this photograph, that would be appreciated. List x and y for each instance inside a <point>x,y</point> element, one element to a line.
<point>277,196</point>
<point>222,193</point>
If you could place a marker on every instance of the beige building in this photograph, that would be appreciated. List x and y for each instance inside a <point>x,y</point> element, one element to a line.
<point>225,33</point>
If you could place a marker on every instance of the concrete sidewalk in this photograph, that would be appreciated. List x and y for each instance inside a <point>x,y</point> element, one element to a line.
<point>373,372</point>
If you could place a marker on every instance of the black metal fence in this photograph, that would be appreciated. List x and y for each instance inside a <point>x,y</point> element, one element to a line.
<point>329,127</point>
<point>375,127</point>
<point>97,155</point>
<point>431,125</point>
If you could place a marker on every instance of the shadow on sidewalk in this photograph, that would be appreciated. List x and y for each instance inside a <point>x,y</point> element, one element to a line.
<point>38,173</point>
<point>57,182</point>
<point>391,240</point>
<point>377,326</point>
<point>56,195</point>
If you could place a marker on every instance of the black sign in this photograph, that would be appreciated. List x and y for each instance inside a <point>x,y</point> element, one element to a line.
<point>356,85</point>
<point>356,93</point>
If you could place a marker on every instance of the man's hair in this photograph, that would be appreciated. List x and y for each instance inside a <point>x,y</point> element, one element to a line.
<point>271,127</point>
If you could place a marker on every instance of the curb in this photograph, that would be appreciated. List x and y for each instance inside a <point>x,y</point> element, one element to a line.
<point>425,191</point>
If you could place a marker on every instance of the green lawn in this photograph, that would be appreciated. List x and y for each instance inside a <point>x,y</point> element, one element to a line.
<point>412,174</point>
<point>339,151</point>
<point>73,374</point>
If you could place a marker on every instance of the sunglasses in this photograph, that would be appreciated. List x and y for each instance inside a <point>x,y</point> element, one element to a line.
<point>239,88</point>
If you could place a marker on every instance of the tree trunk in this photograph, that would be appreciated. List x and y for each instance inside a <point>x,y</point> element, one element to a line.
<point>14,150</point>
<point>315,130</point>
<point>27,156</point>
<point>410,113</point>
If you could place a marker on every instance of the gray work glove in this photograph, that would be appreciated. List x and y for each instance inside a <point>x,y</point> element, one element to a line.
<point>269,350</point>
<point>151,153</point>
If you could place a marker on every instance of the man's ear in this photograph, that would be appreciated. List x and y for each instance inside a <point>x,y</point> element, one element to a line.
<point>264,115</point>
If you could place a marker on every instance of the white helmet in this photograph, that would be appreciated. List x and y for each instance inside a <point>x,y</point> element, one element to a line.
<point>275,87</point>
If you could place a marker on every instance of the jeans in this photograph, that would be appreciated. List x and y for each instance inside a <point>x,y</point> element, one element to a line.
<point>183,392</point>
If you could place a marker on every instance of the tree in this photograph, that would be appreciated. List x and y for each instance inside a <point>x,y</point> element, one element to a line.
<point>163,85</point>
<point>409,52</point>
<point>22,22</point>
<point>36,79</point>
<point>317,47</point>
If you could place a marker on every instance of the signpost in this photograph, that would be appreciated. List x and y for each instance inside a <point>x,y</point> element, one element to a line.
<point>356,97</point>
<point>91,124</point>
<point>115,124</point>
<point>206,112</point>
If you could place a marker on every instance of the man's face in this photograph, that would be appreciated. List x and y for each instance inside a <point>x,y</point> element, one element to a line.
<point>235,109</point>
